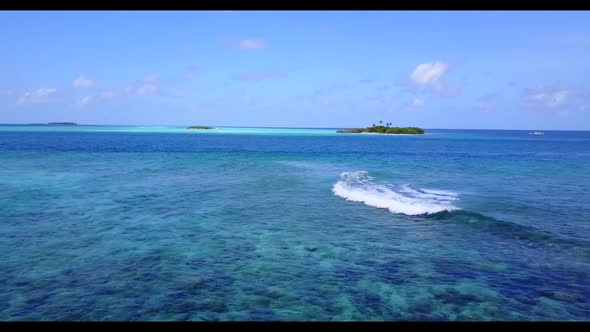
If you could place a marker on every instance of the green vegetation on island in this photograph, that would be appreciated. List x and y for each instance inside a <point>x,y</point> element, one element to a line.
<point>384,129</point>
<point>199,127</point>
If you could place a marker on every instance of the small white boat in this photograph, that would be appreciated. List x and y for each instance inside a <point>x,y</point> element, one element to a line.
<point>540,133</point>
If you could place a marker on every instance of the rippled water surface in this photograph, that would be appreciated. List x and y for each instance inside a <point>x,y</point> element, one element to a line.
<point>164,223</point>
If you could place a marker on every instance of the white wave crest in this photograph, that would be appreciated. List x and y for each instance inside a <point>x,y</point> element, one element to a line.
<point>360,187</point>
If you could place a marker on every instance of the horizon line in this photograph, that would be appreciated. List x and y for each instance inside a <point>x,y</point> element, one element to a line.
<point>264,127</point>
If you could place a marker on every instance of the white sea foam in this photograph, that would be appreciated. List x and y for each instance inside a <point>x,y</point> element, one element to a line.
<point>360,187</point>
<point>440,192</point>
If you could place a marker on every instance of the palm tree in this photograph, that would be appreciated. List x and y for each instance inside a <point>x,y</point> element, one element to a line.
<point>380,122</point>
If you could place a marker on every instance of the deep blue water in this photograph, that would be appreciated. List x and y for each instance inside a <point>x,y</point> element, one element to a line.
<point>157,223</point>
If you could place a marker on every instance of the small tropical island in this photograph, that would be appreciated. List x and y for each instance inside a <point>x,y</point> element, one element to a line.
<point>63,123</point>
<point>384,129</point>
<point>200,127</point>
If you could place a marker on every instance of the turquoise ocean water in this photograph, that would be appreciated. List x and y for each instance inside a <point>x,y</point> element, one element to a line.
<point>164,223</point>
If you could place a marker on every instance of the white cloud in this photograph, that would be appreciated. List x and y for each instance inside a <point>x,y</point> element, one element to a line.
<point>39,96</point>
<point>551,99</point>
<point>83,82</point>
<point>559,98</point>
<point>548,97</point>
<point>149,86</point>
<point>86,100</point>
<point>109,94</point>
<point>252,44</point>
<point>429,74</point>
<point>417,102</point>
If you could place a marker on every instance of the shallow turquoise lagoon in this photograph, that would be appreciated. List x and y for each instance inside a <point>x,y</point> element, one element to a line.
<point>164,223</point>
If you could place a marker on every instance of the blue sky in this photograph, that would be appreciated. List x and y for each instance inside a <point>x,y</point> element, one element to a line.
<point>440,69</point>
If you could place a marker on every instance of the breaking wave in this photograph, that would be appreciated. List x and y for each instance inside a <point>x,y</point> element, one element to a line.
<point>360,187</point>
